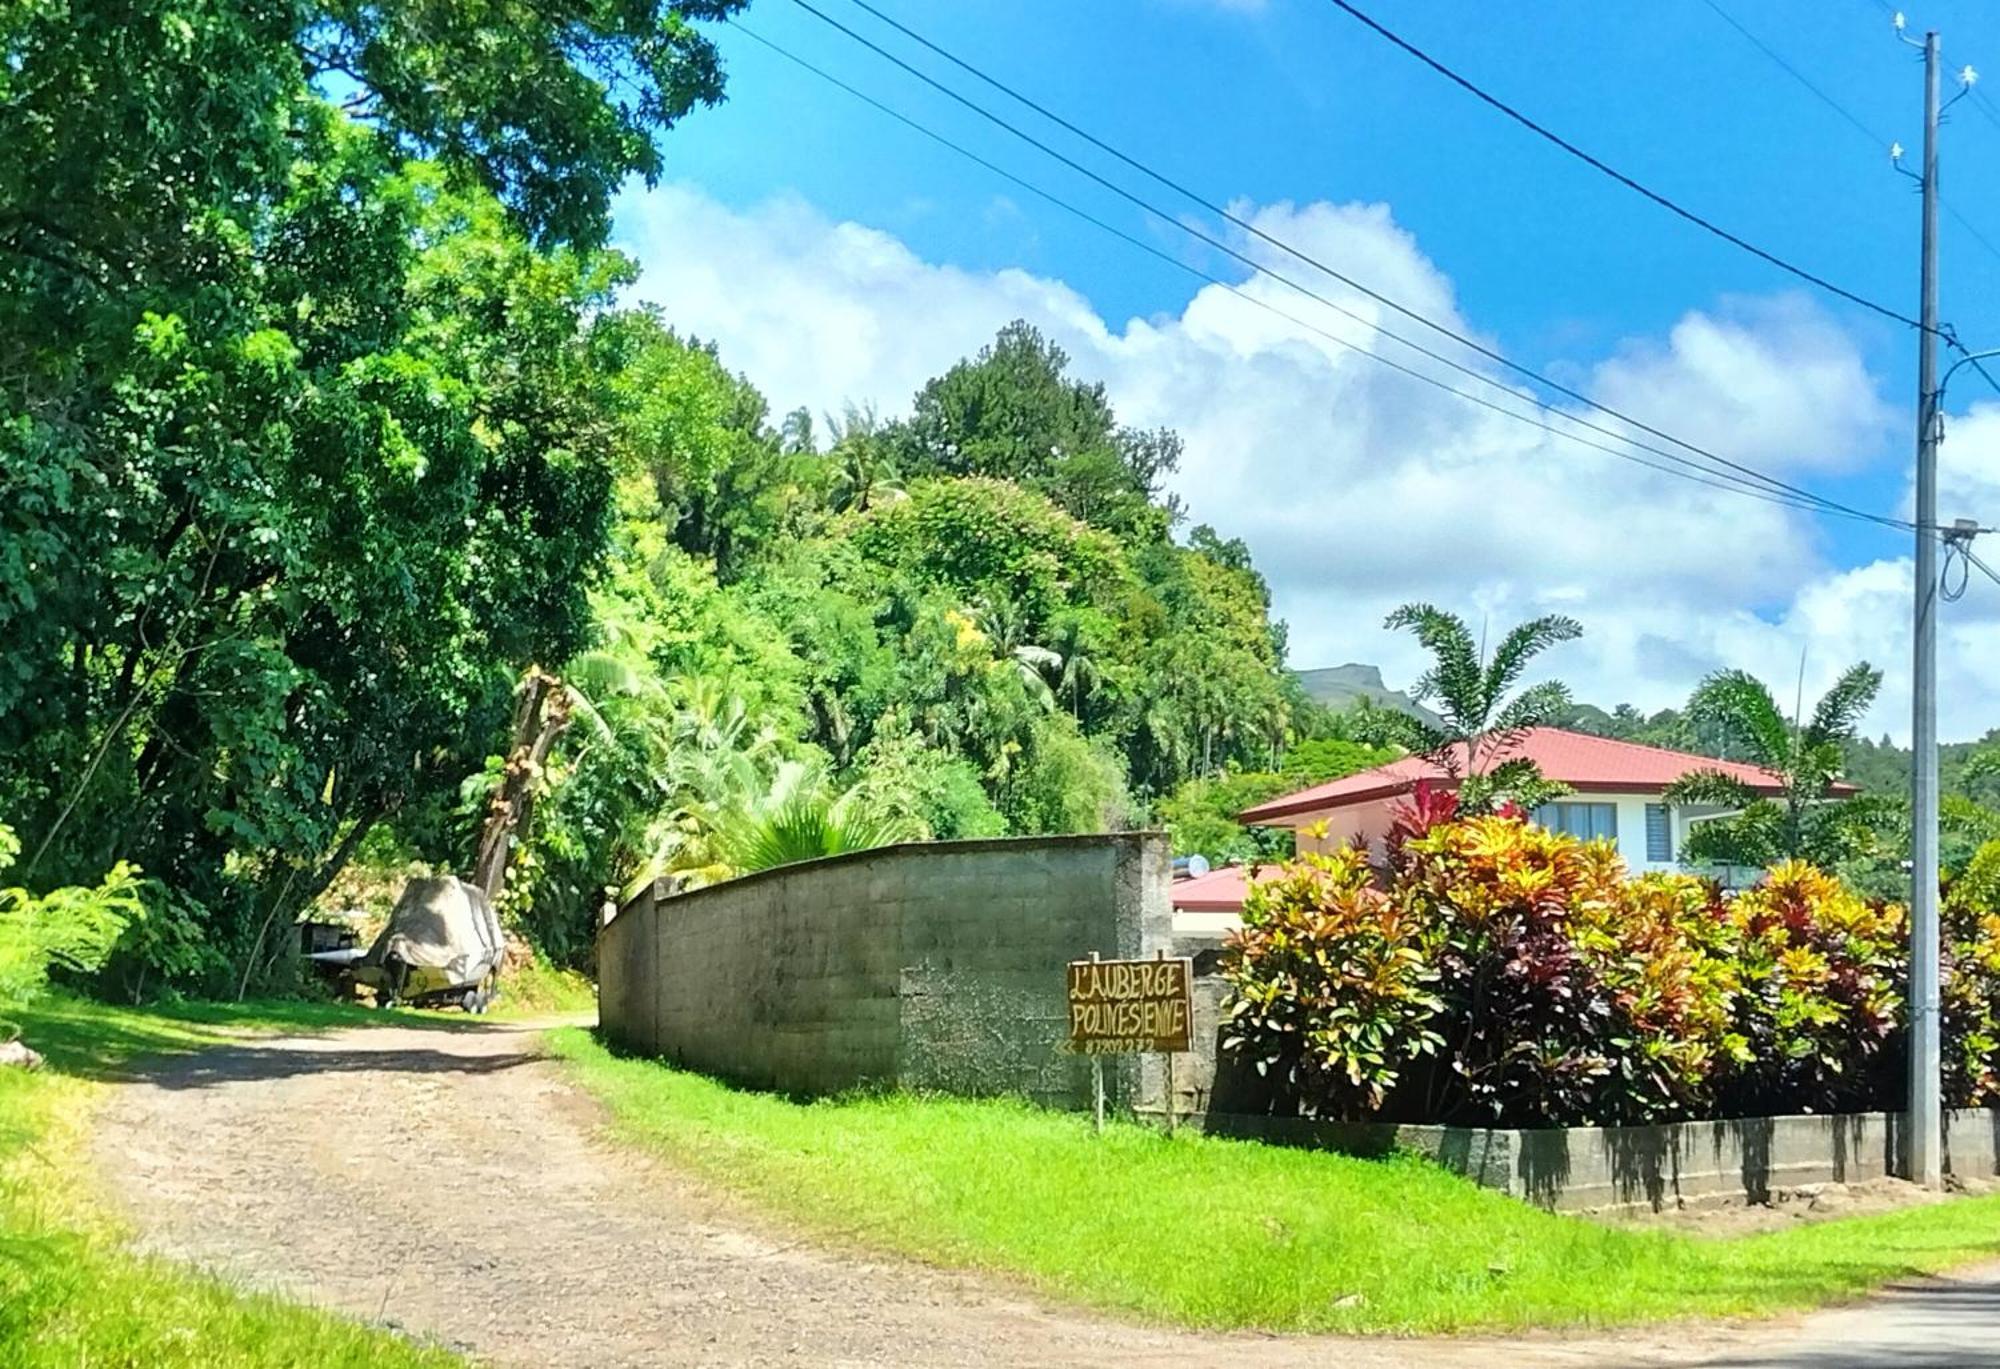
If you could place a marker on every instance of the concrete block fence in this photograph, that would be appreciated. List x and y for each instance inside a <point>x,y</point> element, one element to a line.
<point>935,965</point>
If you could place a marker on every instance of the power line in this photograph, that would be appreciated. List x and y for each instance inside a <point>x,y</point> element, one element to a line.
<point>1836,106</point>
<point>1875,139</point>
<point>1177,222</point>
<point>1984,104</point>
<point>1684,469</point>
<point>1550,135</point>
<point>1973,557</point>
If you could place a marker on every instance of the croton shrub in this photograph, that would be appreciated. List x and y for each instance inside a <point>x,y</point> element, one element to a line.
<point>1516,976</point>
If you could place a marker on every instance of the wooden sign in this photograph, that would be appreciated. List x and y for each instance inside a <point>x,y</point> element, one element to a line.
<point>1122,1006</point>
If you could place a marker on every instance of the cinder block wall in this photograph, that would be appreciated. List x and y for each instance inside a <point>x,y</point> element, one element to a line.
<point>931,965</point>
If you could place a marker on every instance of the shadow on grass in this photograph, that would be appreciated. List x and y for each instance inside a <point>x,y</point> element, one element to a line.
<point>101,1041</point>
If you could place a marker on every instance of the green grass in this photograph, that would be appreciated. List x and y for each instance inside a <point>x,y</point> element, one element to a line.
<point>69,1294</point>
<point>1216,1233</point>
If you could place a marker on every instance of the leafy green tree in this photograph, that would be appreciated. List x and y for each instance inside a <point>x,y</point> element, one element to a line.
<point>939,795</point>
<point>1013,413</point>
<point>980,538</point>
<point>1064,782</point>
<point>1803,755</point>
<point>1007,628</point>
<point>1319,759</point>
<point>731,487</point>
<point>1471,695</point>
<point>1200,817</point>
<point>1076,642</point>
<point>305,445</point>
<point>551,105</point>
<point>1201,814</point>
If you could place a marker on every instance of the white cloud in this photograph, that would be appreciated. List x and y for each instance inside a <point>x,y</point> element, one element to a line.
<point>1771,382</point>
<point>1358,488</point>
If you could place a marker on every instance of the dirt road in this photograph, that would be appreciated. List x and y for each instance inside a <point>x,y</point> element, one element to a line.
<point>451,1184</point>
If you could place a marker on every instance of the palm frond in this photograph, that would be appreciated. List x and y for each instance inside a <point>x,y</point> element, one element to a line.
<point>1536,706</point>
<point>1841,708</point>
<point>1522,645</point>
<point>1741,705</point>
<point>1518,781</point>
<point>797,816</point>
<point>1816,767</point>
<point>1709,787</point>
<point>1753,837</point>
<point>1418,737</point>
<point>1456,680</point>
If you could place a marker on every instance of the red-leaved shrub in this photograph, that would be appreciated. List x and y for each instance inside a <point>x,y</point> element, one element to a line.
<point>1512,975</point>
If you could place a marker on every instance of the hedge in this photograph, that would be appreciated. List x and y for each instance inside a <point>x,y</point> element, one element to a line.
<point>1503,974</point>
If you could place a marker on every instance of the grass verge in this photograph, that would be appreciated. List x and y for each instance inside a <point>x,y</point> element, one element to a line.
<point>1208,1232</point>
<point>69,1295</point>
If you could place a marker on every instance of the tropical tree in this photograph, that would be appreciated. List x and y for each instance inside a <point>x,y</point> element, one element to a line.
<point>1079,674</point>
<point>1803,755</point>
<point>801,817</point>
<point>1001,619</point>
<point>1481,719</point>
<point>864,472</point>
<point>1014,413</point>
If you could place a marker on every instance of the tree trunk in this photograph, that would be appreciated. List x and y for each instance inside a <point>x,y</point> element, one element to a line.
<point>257,950</point>
<point>335,863</point>
<point>540,715</point>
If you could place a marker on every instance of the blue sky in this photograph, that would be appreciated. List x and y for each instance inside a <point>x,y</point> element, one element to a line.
<point>1284,106</point>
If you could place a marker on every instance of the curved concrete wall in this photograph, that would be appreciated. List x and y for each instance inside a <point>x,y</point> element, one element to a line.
<point>928,965</point>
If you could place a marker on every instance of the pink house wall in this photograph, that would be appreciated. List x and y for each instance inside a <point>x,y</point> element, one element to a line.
<point>1369,821</point>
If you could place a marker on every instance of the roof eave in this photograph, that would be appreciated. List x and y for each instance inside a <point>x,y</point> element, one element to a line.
<point>1265,815</point>
<point>1275,814</point>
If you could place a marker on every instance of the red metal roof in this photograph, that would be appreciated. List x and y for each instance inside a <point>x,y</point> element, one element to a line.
<point>1589,765</point>
<point>1219,891</point>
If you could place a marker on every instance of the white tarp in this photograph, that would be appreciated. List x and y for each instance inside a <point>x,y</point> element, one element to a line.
<point>444,926</point>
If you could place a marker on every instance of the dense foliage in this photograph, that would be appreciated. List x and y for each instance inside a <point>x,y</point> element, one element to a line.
<point>1512,975</point>
<point>323,427</point>
<point>304,442</point>
<point>73,928</point>
<point>950,648</point>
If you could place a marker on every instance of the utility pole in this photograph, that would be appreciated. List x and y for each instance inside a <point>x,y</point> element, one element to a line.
<point>1924,1120</point>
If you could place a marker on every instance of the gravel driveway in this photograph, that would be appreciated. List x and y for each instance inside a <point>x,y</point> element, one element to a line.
<point>451,1184</point>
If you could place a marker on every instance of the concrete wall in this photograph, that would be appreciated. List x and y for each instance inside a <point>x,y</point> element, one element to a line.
<point>929,965</point>
<point>1745,1159</point>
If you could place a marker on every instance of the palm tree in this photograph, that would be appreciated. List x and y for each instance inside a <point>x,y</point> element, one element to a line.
<point>1805,757</point>
<point>706,756</point>
<point>863,473</point>
<point>801,818</point>
<point>1005,625</point>
<point>1080,675</point>
<point>1479,723</point>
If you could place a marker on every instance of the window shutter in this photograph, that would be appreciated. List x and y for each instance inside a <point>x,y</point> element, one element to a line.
<point>1659,835</point>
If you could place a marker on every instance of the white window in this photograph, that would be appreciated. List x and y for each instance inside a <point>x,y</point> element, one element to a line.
<point>1590,821</point>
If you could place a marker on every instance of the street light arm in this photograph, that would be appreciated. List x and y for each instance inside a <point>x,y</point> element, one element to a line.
<point>1969,359</point>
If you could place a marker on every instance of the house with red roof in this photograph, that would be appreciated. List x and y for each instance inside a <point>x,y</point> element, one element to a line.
<point>1617,795</point>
